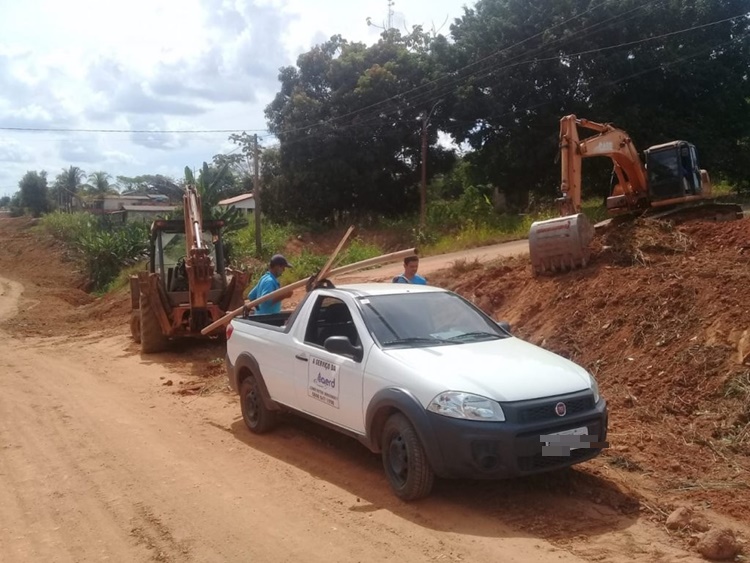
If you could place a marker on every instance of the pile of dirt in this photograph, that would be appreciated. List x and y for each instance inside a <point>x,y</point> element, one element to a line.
<point>661,317</point>
<point>54,301</point>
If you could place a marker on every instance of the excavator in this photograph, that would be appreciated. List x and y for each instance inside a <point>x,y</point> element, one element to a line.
<point>186,286</point>
<point>670,186</point>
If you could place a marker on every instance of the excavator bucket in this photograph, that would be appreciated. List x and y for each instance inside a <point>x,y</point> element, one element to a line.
<point>560,244</point>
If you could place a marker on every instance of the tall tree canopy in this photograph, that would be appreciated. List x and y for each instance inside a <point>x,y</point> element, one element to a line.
<point>348,117</point>
<point>662,70</point>
<point>345,146</point>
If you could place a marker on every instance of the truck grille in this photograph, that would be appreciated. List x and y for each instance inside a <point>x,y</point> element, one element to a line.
<point>547,410</point>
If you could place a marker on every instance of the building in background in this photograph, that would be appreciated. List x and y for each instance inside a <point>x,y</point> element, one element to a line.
<point>246,202</point>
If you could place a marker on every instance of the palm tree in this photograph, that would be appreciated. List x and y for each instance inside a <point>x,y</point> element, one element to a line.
<point>67,184</point>
<point>99,184</point>
<point>98,187</point>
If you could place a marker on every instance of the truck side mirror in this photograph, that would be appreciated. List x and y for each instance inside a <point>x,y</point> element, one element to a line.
<point>342,346</point>
<point>505,325</point>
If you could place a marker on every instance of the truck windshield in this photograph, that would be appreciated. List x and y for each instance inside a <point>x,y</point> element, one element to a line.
<point>174,248</point>
<point>426,319</point>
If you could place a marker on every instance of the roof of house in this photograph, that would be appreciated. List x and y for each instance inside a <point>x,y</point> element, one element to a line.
<point>150,208</point>
<point>128,197</point>
<point>236,199</point>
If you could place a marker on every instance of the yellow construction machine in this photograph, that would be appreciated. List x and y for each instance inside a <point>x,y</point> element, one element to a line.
<point>671,185</point>
<point>187,286</point>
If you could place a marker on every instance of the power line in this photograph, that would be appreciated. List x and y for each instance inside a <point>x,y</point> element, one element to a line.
<point>434,81</point>
<point>416,99</point>
<point>138,131</point>
<point>379,115</point>
<point>618,19</point>
<point>402,97</point>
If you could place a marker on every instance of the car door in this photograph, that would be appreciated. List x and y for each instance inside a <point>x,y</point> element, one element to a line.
<point>328,385</point>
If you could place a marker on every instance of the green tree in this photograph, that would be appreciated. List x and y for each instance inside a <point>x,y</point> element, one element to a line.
<point>520,65</point>
<point>348,146</point>
<point>33,192</point>
<point>66,187</point>
<point>212,187</point>
<point>98,184</point>
<point>5,201</point>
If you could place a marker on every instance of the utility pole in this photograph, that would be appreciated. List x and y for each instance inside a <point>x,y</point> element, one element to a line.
<point>423,187</point>
<point>256,197</point>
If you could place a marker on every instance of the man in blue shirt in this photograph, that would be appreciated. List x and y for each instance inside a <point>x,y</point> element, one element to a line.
<point>268,283</point>
<point>410,275</point>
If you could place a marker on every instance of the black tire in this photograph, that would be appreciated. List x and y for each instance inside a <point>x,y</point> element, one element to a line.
<point>404,460</point>
<point>135,325</point>
<point>257,417</point>
<point>152,338</point>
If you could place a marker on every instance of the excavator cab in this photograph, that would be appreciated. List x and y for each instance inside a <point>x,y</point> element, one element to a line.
<point>673,172</point>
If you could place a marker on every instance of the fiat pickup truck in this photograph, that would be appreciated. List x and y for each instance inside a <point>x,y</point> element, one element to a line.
<point>422,377</point>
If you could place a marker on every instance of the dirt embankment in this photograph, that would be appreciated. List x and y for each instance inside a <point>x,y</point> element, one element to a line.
<point>662,318</point>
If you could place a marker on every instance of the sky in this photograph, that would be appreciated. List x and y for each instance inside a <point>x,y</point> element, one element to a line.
<point>155,65</point>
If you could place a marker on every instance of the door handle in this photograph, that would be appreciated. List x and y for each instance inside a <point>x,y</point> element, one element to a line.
<point>301,357</point>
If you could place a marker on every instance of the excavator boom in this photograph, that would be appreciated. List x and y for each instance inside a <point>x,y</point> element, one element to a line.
<point>670,182</point>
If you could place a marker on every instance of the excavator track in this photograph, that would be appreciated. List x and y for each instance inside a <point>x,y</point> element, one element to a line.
<point>703,211</point>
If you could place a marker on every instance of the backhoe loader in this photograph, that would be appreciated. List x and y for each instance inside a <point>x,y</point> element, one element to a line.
<point>671,185</point>
<point>186,286</point>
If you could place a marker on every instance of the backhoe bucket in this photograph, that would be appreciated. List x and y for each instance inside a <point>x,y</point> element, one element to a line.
<point>560,244</point>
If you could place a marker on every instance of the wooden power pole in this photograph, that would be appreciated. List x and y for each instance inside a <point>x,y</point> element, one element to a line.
<point>256,198</point>
<point>423,186</point>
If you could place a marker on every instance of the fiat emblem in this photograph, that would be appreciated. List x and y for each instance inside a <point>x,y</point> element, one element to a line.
<point>561,409</point>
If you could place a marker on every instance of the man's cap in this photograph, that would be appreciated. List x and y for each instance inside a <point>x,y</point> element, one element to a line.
<point>279,260</point>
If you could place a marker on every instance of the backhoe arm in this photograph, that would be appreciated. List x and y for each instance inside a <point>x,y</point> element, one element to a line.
<point>611,142</point>
<point>198,263</point>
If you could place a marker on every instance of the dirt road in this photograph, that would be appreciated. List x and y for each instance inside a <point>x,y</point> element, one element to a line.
<point>100,461</point>
<point>430,264</point>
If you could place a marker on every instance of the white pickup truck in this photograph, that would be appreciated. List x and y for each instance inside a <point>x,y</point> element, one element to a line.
<point>421,376</point>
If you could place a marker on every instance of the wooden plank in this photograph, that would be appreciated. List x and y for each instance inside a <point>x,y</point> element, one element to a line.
<point>327,267</point>
<point>376,261</point>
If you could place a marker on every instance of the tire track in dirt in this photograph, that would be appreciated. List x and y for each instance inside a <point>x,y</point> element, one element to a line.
<point>10,293</point>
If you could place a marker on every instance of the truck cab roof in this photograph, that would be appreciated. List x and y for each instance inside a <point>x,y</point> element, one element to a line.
<point>387,288</point>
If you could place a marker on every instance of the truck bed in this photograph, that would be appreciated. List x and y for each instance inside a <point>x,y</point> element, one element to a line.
<point>277,321</point>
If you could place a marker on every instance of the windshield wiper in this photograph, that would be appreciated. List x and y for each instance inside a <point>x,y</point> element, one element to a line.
<point>418,340</point>
<point>477,334</point>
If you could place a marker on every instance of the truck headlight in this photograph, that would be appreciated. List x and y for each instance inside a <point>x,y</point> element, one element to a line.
<point>594,388</point>
<point>466,406</point>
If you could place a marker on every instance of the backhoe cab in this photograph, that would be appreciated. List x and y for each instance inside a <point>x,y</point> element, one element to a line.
<point>670,185</point>
<point>187,285</point>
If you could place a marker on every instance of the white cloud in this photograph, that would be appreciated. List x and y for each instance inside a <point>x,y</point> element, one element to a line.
<point>156,65</point>
<point>13,151</point>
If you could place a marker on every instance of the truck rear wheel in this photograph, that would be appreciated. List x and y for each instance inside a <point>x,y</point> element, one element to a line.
<point>258,418</point>
<point>404,459</point>
<point>152,338</point>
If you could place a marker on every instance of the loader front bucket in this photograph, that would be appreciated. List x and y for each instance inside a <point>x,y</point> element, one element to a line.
<point>560,244</point>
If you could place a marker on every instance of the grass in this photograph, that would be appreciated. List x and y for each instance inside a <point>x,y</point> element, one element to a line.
<point>498,228</point>
<point>122,281</point>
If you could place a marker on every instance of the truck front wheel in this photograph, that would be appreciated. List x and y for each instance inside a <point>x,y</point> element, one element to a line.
<point>257,417</point>
<point>404,459</point>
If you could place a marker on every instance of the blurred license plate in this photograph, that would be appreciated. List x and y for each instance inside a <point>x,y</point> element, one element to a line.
<point>558,438</point>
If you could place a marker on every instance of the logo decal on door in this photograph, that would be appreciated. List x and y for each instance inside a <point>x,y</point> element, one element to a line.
<point>323,381</point>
